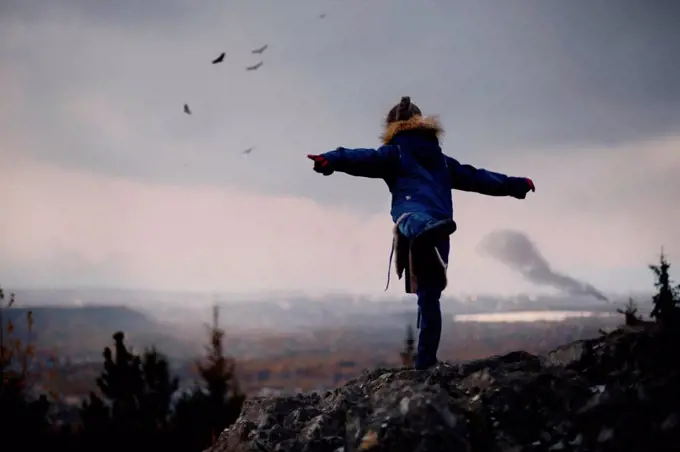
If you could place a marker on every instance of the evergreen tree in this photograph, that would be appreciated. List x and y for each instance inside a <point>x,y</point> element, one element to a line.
<point>202,414</point>
<point>136,395</point>
<point>407,354</point>
<point>667,298</point>
<point>630,313</point>
<point>121,384</point>
<point>23,419</point>
<point>224,395</point>
<point>95,416</point>
<point>159,386</point>
<point>189,428</point>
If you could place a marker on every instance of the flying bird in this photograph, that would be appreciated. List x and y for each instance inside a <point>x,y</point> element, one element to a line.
<point>255,67</point>
<point>248,151</point>
<point>186,109</point>
<point>261,49</point>
<point>219,59</point>
<point>321,16</point>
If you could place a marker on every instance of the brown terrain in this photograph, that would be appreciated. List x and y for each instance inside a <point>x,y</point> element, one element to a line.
<point>325,359</point>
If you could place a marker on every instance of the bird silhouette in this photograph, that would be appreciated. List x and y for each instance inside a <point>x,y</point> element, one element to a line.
<point>219,59</point>
<point>261,49</point>
<point>248,151</point>
<point>255,67</point>
<point>187,110</point>
<point>321,16</point>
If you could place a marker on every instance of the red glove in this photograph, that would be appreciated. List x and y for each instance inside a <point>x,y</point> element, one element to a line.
<point>321,164</point>
<point>532,187</point>
<point>521,190</point>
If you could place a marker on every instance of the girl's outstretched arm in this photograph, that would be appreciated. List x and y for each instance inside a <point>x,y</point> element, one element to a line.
<point>469,178</point>
<point>374,163</point>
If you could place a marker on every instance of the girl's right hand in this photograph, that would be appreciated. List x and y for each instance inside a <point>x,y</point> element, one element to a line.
<point>321,164</point>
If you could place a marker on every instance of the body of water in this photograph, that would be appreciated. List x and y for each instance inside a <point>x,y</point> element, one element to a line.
<point>529,316</point>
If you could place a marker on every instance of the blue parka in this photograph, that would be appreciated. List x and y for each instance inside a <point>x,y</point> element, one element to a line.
<point>419,175</point>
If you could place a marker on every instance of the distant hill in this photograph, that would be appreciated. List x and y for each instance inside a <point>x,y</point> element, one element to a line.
<point>80,321</point>
<point>86,330</point>
<point>285,312</point>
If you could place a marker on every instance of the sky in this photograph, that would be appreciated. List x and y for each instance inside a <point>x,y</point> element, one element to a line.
<point>105,181</point>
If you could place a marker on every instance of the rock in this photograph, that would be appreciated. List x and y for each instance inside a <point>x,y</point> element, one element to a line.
<point>557,446</point>
<point>577,441</point>
<point>670,423</point>
<point>617,392</point>
<point>605,435</point>
<point>565,355</point>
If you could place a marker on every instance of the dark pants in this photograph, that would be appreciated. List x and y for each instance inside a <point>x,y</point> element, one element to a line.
<point>430,316</point>
<point>429,309</point>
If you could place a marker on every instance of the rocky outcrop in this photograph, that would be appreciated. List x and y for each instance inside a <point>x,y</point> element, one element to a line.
<point>620,392</point>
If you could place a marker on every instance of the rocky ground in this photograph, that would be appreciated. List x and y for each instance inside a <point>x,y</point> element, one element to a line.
<point>619,392</point>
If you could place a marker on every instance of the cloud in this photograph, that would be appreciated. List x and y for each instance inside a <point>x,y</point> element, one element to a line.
<point>552,77</point>
<point>73,223</point>
<point>76,226</point>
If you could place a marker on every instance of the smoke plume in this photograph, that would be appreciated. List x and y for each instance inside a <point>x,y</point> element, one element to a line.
<point>518,252</point>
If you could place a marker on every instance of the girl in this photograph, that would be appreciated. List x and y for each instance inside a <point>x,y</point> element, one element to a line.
<point>420,177</point>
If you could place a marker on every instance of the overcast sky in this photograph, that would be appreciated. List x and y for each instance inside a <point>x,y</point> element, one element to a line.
<point>105,181</point>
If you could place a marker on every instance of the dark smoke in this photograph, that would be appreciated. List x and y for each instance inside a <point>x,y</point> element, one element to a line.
<point>518,252</point>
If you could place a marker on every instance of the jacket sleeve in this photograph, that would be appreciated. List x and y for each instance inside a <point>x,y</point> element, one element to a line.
<point>477,180</point>
<point>374,163</point>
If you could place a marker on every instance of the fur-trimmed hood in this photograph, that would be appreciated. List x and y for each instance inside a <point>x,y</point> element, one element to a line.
<point>429,123</point>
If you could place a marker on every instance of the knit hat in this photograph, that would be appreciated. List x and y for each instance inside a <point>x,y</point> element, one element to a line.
<point>403,111</point>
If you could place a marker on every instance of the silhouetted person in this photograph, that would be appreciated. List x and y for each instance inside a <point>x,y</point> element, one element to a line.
<point>420,178</point>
